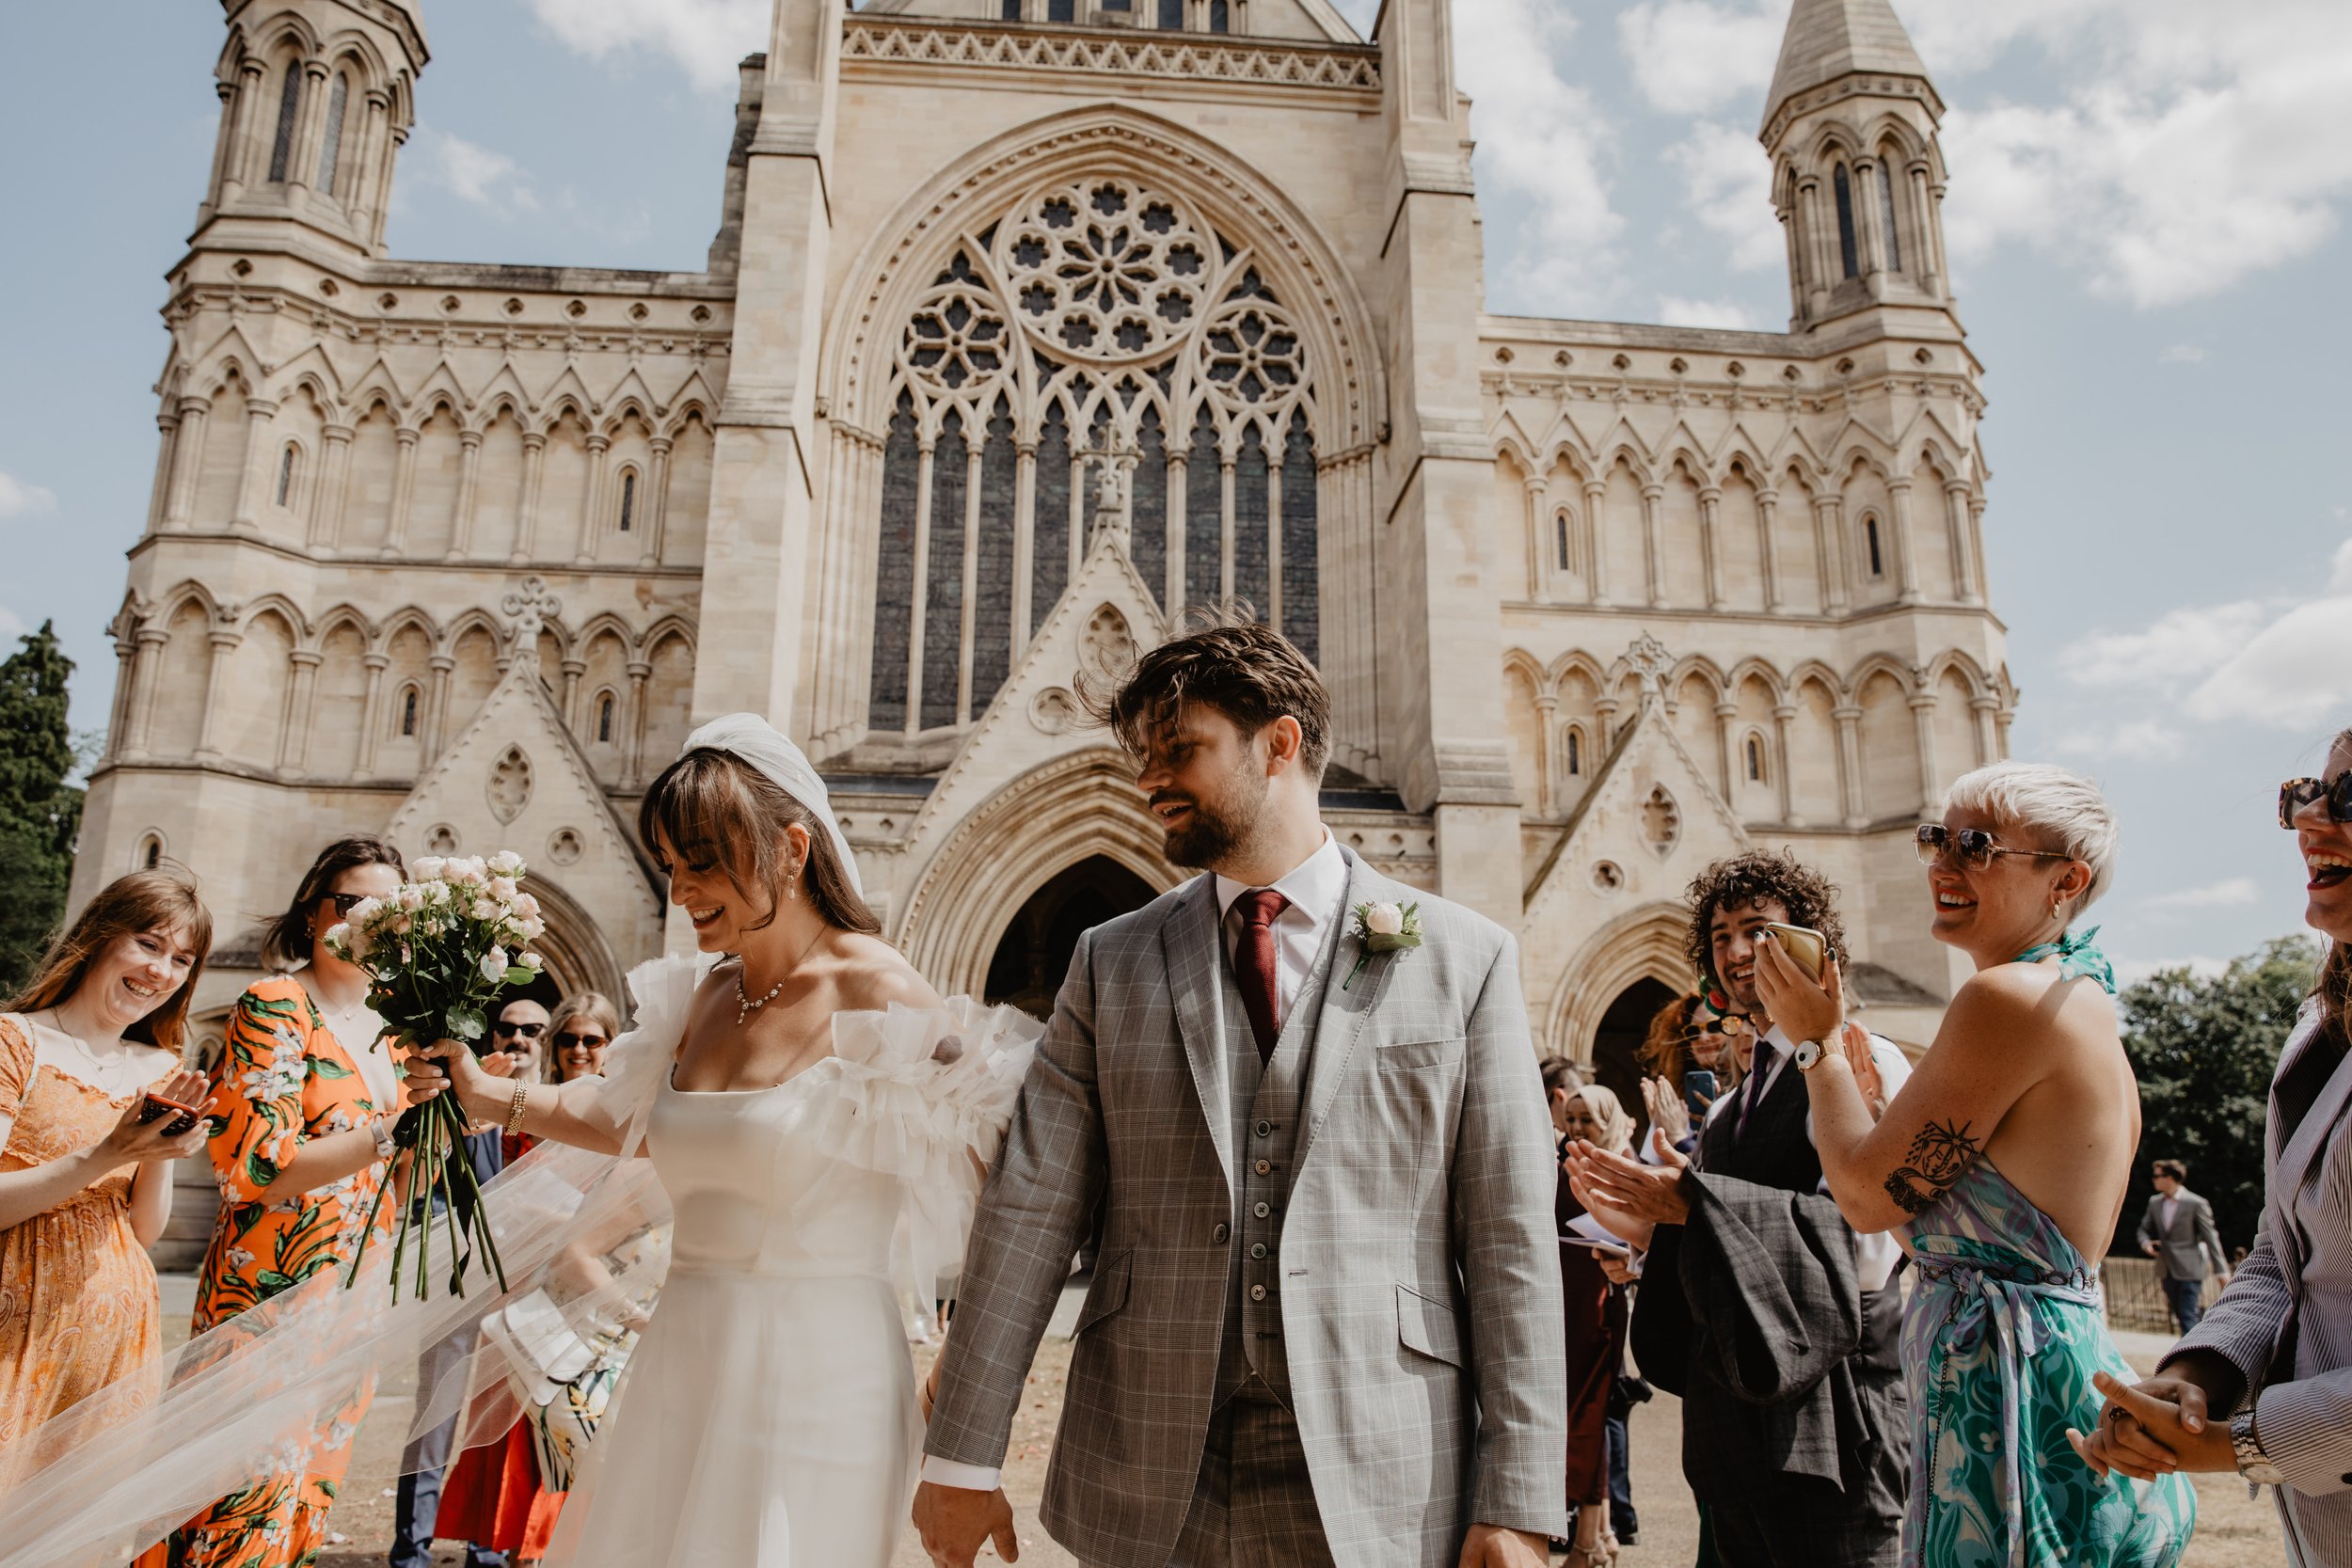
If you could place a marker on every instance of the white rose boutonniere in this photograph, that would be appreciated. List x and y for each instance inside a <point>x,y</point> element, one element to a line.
<point>1383,928</point>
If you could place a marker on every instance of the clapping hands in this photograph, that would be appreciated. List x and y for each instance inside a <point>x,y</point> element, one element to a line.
<point>1668,1112</point>
<point>1633,1199</point>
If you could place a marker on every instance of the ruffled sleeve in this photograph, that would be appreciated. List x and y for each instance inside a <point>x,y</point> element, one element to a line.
<point>663,992</point>
<point>925,1094</point>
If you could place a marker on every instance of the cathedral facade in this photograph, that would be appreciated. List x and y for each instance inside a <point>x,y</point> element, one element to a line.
<point>1027,323</point>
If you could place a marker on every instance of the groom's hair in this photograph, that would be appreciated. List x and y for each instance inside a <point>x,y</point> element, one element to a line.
<point>1225,659</point>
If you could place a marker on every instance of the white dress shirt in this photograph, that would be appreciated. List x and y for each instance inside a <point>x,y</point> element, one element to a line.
<point>1317,888</point>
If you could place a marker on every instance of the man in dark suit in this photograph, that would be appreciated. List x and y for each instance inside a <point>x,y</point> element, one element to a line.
<point>2178,1232</point>
<point>1778,1326</point>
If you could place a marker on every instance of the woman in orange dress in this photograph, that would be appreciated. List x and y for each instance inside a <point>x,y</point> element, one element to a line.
<point>494,1497</point>
<point>302,1118</point>
<point>85,1184</point>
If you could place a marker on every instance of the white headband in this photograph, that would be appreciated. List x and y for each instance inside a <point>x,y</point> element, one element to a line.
<point>754,740</point>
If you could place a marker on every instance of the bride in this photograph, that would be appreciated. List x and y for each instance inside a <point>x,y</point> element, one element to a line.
<point>819,1118</point>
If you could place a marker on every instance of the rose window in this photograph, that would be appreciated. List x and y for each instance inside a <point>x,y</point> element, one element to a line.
<point>1253,355</point>
<point>954,341</point>
<point>1107,270</point>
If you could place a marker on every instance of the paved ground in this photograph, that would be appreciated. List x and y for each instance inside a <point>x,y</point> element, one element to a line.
<point>2232,1531</point>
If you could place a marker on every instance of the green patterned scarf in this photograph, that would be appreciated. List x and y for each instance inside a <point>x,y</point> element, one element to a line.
<point>2076,955</point>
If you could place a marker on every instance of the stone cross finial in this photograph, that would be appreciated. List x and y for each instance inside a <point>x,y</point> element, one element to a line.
<point>531,606</point>
<point>1648,657</point>
<point>1112,462</point>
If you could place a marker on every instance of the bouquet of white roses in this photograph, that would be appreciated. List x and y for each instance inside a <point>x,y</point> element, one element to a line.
<point>437,951</point>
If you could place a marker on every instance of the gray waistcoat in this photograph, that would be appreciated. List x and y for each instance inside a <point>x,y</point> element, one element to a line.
<point>1266,1102</point>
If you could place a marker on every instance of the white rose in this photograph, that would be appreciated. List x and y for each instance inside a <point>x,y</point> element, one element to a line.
<point>462,871</point>
<point>339,935</point>
<point>404,924</point>
<point>494,964</point>
<point>483,909</point>
<point>526,906</point>
<point>364,911</point>
<point>503,889</point>
<point>429,869</point>
<point>412,897</point>
<point>1384,920</point>
<point>506,863</point>
<point>534,928</point>
<point>529,960</point>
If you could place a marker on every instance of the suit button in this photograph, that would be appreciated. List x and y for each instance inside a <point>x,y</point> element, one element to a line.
<point>1257,1292</point>
<point>1264,1167</point>
<point>1266,1130</point>
<point>1257,1249</point>
<point>1262,1210</point>
<point>1219,1234</point>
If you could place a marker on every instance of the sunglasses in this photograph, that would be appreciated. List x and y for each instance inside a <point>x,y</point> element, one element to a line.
<point>528,1031</point>
<point>1972,847</point>
<point>344,902</point>
<point>580,1043</point>
<point>2295,793</point>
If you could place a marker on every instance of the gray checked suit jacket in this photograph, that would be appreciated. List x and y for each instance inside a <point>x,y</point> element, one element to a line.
<point>1420,1298</point>
<point>2185,1250</point>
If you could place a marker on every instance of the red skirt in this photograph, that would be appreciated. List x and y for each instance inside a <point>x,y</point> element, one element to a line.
<point>492,1498</point>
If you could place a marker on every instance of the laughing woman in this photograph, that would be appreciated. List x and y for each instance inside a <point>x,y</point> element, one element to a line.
<point>2001,1165</point>
<point>301,1135</point>
<point>85,1183</point>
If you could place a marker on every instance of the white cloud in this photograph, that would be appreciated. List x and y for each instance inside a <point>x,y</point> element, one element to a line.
<point>1691,57</point>
<point>12,628</point>
<point>2264,661</point>
<point>2229,894</point>
<point>2184,354</point>
<point>2131,971</point>
<point>1728,184</point>
<point>472,173</point>
<point>1674,310</point>
<point>705,37</point>
<point>1544,143</point>
<point>2144,740</point>
<point>18,499</point>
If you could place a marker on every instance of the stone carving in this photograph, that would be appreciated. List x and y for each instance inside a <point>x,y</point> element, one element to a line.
<point>1648,657</point>
<point>1054,710</point>
<point>510,785</point>
<point>1107,647</point>
<point>1607,877</point>
<point>1107,270</point>
<point>1356,69</point>
<point>564,846</point>
<point>441,840</point>
<point>1661,822</point>
<point>529,607</point>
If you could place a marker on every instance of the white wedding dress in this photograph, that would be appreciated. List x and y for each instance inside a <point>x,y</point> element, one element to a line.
<point>768,1417</point>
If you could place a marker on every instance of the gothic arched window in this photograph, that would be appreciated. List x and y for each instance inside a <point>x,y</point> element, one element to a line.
<point>1561,547</point>
<point>408,711</point>
<point>1219,17</point>
<point>331,147</point>
<point>1172,15</point>
<point>285,474</point>
<point>628,498</point>
<point>152,851</point>
<point>1886,205</point>
<point>1870,537</point>
<point>289,111</point>
<point>1098,364</point>
<point>604,716</point>
<point>1755,758</point>
<point>1843,184</point>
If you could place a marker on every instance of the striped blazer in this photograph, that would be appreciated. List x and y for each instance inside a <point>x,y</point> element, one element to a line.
<point>2294,1294</point>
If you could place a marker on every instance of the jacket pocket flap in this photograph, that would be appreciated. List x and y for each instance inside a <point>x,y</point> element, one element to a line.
<point>1428,1327</point>
<point>1424,1053</point>
<point>1109,1292</point>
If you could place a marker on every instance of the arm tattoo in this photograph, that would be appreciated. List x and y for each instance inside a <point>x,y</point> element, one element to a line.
<point>1939,1156</point>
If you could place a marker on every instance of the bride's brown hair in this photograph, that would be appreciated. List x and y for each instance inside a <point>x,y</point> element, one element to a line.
<point>713,808</point>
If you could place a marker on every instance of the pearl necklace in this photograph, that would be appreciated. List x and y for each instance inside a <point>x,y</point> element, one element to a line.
<point>744,1005</point>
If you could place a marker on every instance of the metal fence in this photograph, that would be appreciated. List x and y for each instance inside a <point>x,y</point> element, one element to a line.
<point>2135,1291</point>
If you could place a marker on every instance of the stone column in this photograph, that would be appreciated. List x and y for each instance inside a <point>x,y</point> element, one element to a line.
<point>366,190</point>
<point>1987,710</point>
<point>1596,541</point>
<point>1653,540</point>
<point>592,512</point>
<point>1964,579</point>
<point>468,493</point>
<point>918,606</point>
<point>437,705</point>
<point>657,501</point>
<point>144,683</point>
<point>1869,224</point>
<point>526,509</point>
<point>1605,716</point>
<point>1024,543</point>
<point>1711,544</point>
<point>1542,553</point>
<point>159,493</point>
<point>1829,544</point>
<point>126,687</point>
<point>967,621</point>
<point>187,461</point>
<point>1227,524</point>
<point>1906,547</point>
<point>1850,764</point>
<point>1273,536</point>
<point>238,171</point>
<point>293,732</point>
<point>371,714</point>
<point>1827,269</point>
<point>1727,744</point>
<point>1784,727</point>
<point>261,468</point>
<point>331,495</point>
<point>404,490</point>
<point>1923,731</point>
<point>1792,231</point>
<point>1768,547</point>
<point>1178,466</point>
<point>633,773</point>
<point>215,689</point>
<point>1930,251</point>
<point>573,670</point>
<point>308,127</point>
<point>1975,544</point>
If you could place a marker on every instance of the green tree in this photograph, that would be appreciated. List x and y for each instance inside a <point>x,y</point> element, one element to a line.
<point>2204,1051</point>
<point>41,813</point>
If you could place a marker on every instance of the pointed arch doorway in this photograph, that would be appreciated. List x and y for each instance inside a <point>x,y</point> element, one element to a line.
<point>1033,955</point>
<point>1617,1042</point>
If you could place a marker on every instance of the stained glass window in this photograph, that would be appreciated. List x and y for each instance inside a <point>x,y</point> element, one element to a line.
<point>1844,187</point>
<point>330,149</point>
<point>289,110</point>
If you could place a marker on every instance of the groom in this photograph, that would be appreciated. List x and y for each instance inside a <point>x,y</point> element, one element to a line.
<point>1324,1328</point>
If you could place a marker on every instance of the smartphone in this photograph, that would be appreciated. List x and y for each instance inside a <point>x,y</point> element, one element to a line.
<point>1698,1089</point>
<point>153,1107</point>
<point>1592,1245</point>
<point>1802,944</point>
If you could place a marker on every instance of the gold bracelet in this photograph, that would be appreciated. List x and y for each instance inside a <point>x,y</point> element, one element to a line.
<point>515,1112</point>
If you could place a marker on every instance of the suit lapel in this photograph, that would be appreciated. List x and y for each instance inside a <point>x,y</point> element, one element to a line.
<point>1340,1018</point>
<point>2308,1143</point>
<point>1188,946</point>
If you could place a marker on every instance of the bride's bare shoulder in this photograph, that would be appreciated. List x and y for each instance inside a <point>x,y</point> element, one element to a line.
<point>873,976</point>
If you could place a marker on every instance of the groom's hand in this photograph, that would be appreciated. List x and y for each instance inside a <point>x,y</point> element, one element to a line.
<point>1493,1547</point>
<point>954,1520</point>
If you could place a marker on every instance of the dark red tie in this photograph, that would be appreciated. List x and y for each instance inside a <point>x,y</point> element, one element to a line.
<point>1254,965</point>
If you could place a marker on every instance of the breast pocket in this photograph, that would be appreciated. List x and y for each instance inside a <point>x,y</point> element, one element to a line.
<point>1414,1055</point>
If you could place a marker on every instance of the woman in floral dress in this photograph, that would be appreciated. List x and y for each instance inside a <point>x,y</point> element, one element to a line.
<point>301,1130</point>
<point>85,1185</point>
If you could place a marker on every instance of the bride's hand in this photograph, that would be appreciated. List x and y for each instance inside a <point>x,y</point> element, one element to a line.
<point>448,1067</point>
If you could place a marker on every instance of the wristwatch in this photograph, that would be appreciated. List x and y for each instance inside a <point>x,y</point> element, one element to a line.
<point>382,1129</point>
<point>2252,1463</point>
<point>1810,1054</point>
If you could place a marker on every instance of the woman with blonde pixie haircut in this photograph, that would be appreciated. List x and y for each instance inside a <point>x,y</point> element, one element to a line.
<point>85,1170</point>
<point>2001,1166</point>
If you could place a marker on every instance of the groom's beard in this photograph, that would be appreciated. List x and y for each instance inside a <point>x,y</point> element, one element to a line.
<point>1219,828</point>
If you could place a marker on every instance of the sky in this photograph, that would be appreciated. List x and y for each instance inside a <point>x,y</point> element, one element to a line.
<point>2146,220</point>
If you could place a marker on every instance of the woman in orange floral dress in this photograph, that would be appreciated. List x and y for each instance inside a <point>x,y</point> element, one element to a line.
<point>301,1133</point>
<point>84,1184</point>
